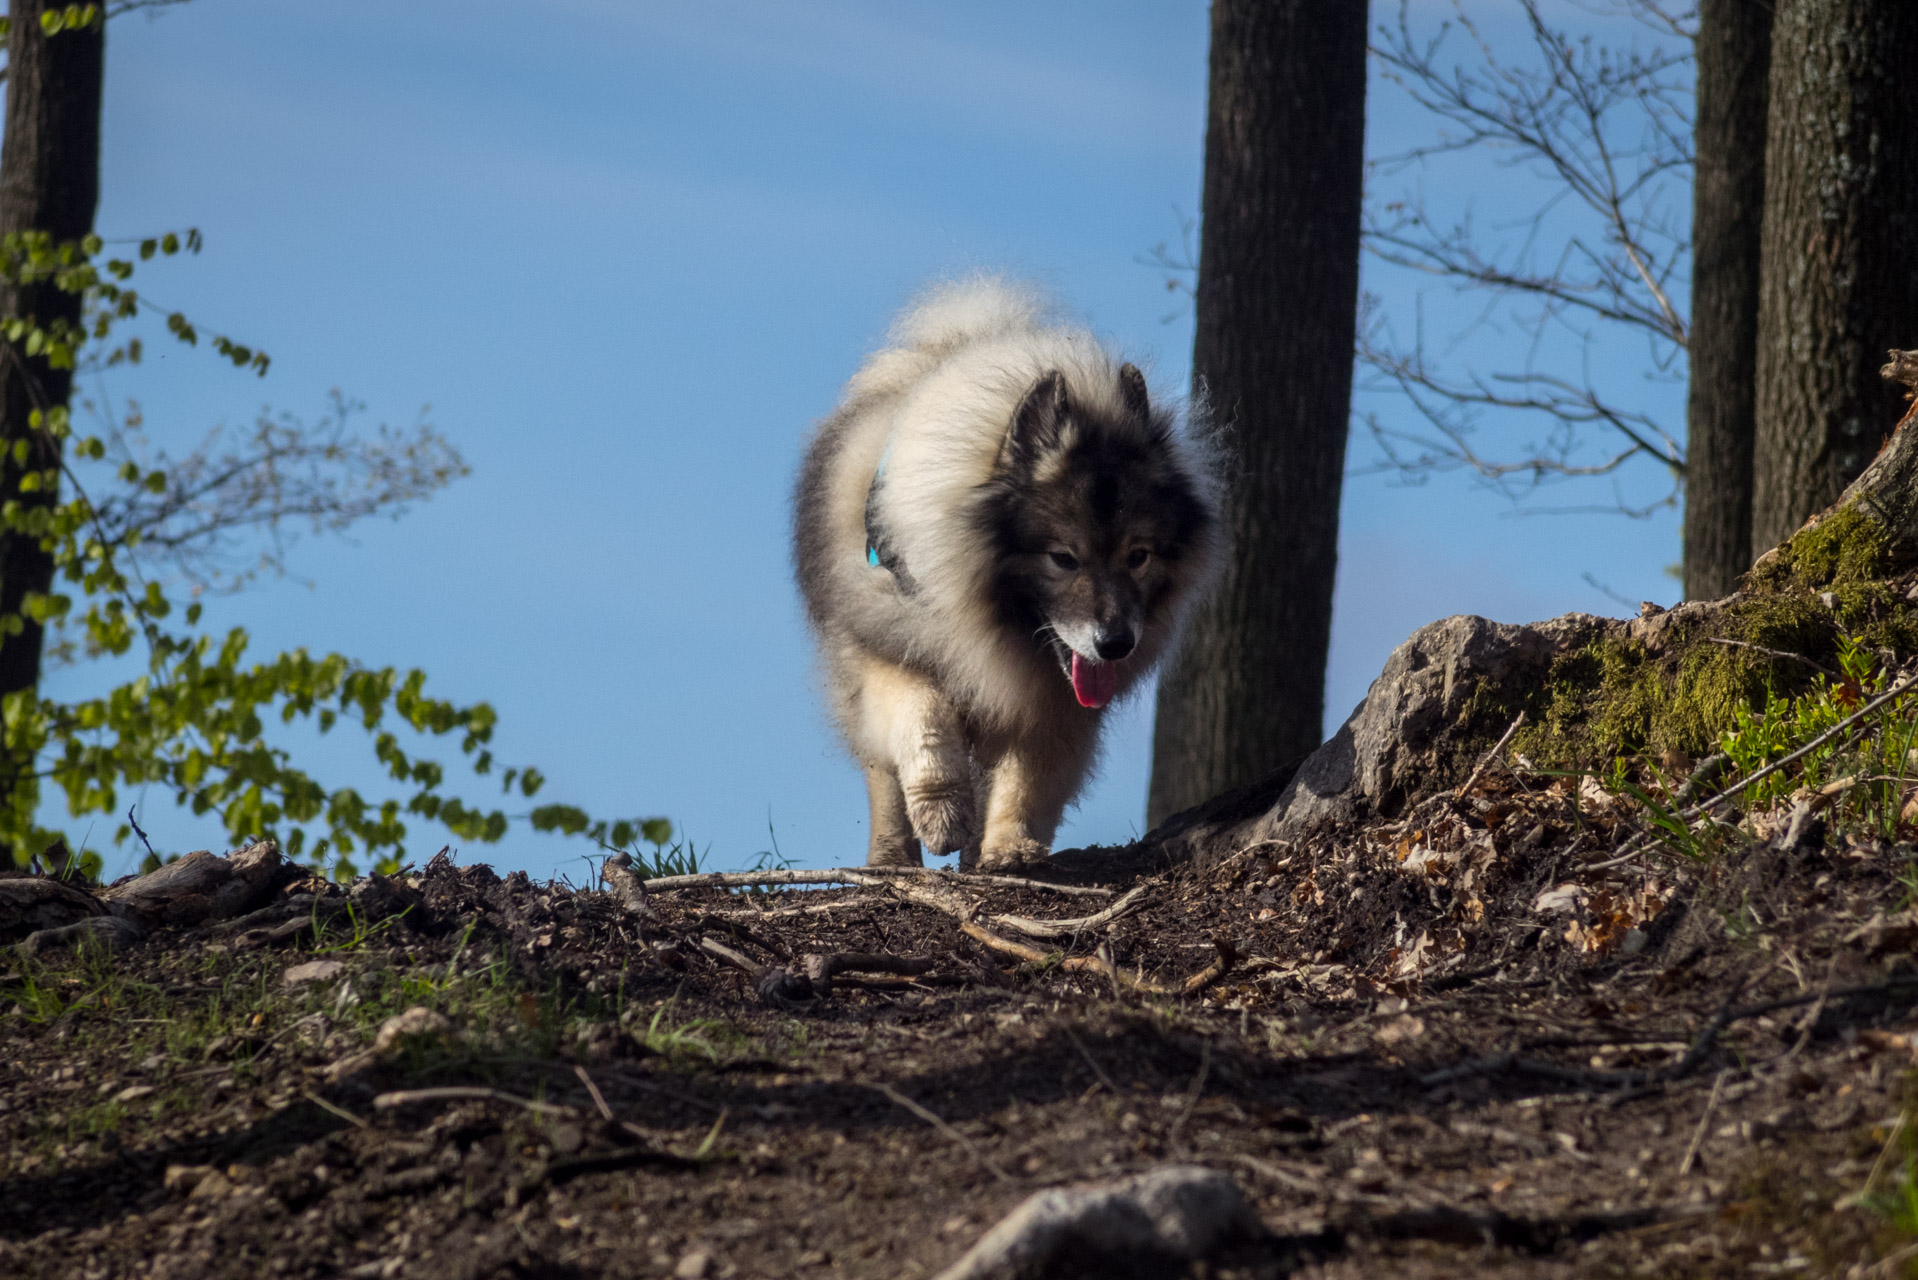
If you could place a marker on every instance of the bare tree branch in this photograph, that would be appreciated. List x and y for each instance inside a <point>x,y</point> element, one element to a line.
<point>1603,136</point>
<point>229,510</point>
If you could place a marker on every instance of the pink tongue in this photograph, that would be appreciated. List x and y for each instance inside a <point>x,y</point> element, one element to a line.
<point>1094,683</point>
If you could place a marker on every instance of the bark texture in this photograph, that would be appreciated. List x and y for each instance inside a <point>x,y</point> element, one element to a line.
<point>1837,285</point>
<point>1276,311</point>
<point>49,181</point>
<point>1733,57</point>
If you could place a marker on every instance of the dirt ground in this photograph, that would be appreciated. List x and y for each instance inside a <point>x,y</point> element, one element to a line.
<point>1455,1045</point>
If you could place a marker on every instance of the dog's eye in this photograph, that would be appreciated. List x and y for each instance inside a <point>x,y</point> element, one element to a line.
<point>1138,558</point>
<point>1065,560</point>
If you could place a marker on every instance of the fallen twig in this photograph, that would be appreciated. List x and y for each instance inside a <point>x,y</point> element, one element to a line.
<point>334,1108</point>
<point>1072,928</point>
<point>741,932</point>
<point>1471,779</point>
<point>966,912</point>
<point>1776,653</point>
<point>592,1090</point>
<point>781,913</point>
<point>664,1091</point>
<point>1884,1152</point>
<point>721,951</point>
<point>1074,964</point>
<point>1698,1134</point>
<point>562,1171</point>
<point>467,1093</point>
<point>1192,1096</point>
<point>1638,843</point>
<point>1499,1063</point>
<point>1695,1053</point>
<point>865,877</point>
<point>938,1122</point>
<point>1455,1225</point>
<point>1205,977</point>
<point>1810,1020</point>
<point>1311,1186</point>
<point>1097,1070</point>
<point>820,970</point>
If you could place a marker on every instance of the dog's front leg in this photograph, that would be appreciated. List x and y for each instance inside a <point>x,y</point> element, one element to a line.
<point>915,735</point>
<point>893,844</point>
<point>1031,780</point>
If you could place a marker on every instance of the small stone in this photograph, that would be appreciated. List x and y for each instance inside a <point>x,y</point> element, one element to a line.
<point>185,1177</point>
<point>350,1065</point>
<point>1566,899</point>
<point>565,1138</point>
<point>1400,1029</point>
<point>213,1185</point>
<point>313,971</point>
<point>693,1265</point>
<point>417,1021</point>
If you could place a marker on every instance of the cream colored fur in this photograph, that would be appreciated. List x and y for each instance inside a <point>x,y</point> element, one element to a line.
<point>943,706</point>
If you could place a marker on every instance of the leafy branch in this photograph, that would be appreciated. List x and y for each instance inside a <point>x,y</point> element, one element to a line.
<point>196,719</point>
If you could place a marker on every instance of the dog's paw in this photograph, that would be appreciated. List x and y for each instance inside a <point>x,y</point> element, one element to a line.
<point>1012,854</point>
<point>894,853</point>
<point>942,816</point>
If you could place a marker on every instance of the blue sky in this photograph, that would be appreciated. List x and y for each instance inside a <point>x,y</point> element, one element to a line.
<point>628,252</point>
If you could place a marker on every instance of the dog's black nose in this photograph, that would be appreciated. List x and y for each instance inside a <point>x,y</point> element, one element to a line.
<point>1115,644</point>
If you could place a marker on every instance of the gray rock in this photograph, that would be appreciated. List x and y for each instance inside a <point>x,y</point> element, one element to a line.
<point>1175,1214</point>
<point>313,971</point>
<point>1420,702</point>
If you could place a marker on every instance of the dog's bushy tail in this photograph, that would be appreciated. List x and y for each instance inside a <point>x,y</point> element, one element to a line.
<point>944,319</point>
<point>958,312</point>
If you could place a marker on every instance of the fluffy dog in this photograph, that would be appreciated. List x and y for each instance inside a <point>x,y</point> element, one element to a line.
<point>995,533</point>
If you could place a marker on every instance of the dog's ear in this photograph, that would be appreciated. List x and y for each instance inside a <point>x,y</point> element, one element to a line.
<point>1132,390</point>
<point>1038,423</point>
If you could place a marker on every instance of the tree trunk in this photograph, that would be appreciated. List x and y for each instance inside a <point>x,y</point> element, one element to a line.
<point>49,181</point>
<point>1837,285</point>
<point>1728,195</point>
<point>1277,312</point>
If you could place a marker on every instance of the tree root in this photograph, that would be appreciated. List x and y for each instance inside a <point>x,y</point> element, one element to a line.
<point>1072,964</point>
<point>1072,928</point>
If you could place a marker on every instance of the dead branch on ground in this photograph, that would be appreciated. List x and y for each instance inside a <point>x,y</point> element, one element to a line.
<point>1071,964</point>
<point>863,877</point>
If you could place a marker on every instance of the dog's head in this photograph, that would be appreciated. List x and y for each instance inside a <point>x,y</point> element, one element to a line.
<point>1096,522</point>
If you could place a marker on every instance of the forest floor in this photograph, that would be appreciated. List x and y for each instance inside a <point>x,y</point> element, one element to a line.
<point>1457,1045</point>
